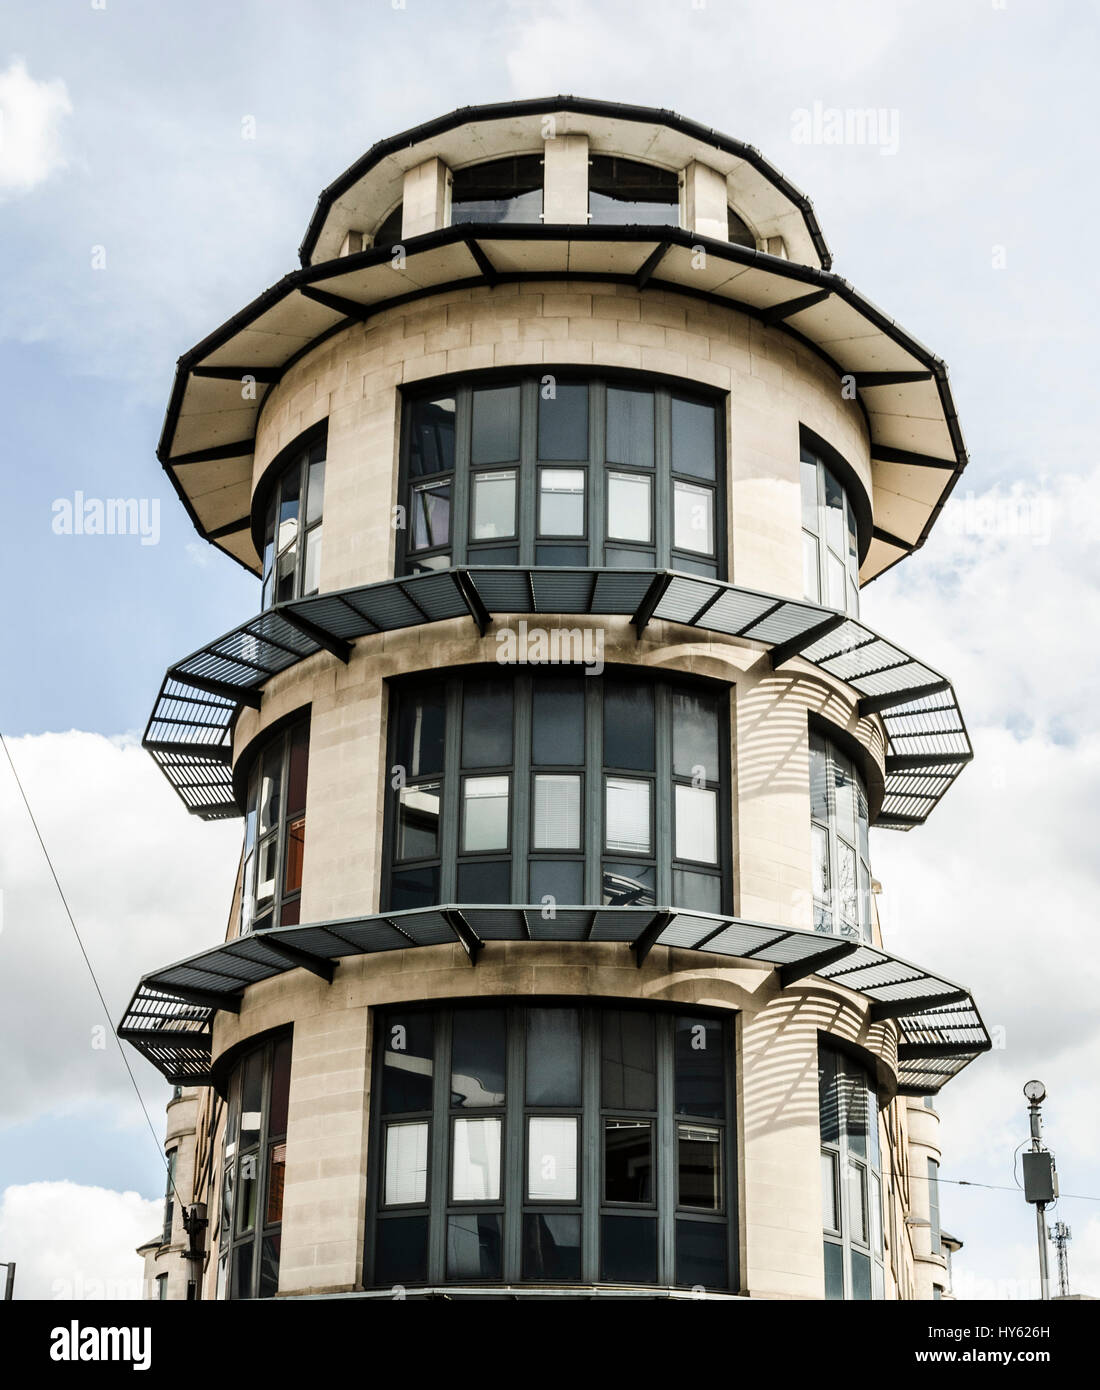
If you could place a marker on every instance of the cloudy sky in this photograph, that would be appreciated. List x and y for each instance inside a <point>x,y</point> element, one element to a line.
<point>135,218</point>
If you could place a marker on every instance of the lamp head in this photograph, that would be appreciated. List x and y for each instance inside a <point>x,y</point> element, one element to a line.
<point>1035,1092</point>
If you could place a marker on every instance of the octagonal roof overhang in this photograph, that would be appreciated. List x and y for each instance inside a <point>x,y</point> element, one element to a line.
<point>170,1017</point>
<point>366,191</point>
<point>917,450</point>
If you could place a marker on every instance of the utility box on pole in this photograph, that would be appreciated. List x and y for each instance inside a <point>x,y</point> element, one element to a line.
<point>1040,1179</point>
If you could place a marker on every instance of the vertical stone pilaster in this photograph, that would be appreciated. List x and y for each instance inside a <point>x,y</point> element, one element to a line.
<point>427,198</point>
<point>705,201</point>
<point>565,181</point>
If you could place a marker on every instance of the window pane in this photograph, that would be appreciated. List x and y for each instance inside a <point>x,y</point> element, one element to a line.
<point>401,1251</point>
<point>628,726</point>
<point>315,493</point>
<point>473,1247</point>
<point>701,1254</point>
<point>553,1057</point>
<point>479,882</point>
<point>418,821</point>
<point>494,505</point>
<point>838,588</point>
<point>269,1265</point>
<point>241,1280</point>
<point>629,885</point>
<point>700,1067</point>
<point>247,1192</point>
<point>285,571</point>
<point>298,770</point>
<point>407,1045</point>
<point>552,1158</point>
<point>485,813</point>
<point>692,438</point>
<point>811,577</point>
<point>475,1161</point>
<point>857,1202</point>
<point>280,1088</point>
<point>623,192</point>
<point>563,423</point>
<point>630,427</point>
<point>557,811</point>
<point>695,735</point>
<point>629,1249</point>
<point>627,815</point>
<point>431,515</point>
<point>844,784</point>
<point>295,852</point>
<point>495,437</point>
<point>500,190</point>
<point>628,1063</point>
<point>432,436</point>
<point>699,892</point>
<point>406,1163</point>
<point>487,724</point>
<point>835,528</point>
<point>557,722</point>
<point>700,1164</point>
<point>561,880</point>
<point>861,1275</point>
<point>847,886</point>
<point>693,522</point>
<point>696,824</point>
<point>629,513</point>
<point>477,1057</point>
<point>420,725</point>
<point>827,1097</point>
<point>288,507</point>
<point>271,784</point>
<point>413,888</point>
<point>311,577</point>
<point>823,917</point>
<point>810,514</point>
<point>834,1270</point>
<point>552,1246</point>
<point>628,1161</point>
<point>876,1215</point>
<point>819,780</point>
<point>830,1217</point>
<point>561,502</point>
<point>252,1099</point>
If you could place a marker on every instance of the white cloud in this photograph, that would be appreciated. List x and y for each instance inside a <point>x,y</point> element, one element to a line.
<point>30,128</point>
<point>147,884</point>
<point>73,1242</point>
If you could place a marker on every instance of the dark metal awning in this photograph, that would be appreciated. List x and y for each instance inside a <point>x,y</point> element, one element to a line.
<point>169,1019</point>
<point>916,444</point>
<point>189,731</point>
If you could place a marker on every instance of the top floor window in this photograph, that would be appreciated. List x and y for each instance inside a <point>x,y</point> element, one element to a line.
<point>737,231</point>
<point>830,543</point>
<point>389,230</point>
<point>502,190</point>
<point>292,530</point>
<point>622,192</point>
<point>563,472</point>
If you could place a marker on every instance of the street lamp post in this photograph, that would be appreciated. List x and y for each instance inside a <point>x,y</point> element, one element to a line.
<point>1040,1179</point>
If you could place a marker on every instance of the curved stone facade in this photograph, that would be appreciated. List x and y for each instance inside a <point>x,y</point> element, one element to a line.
<point>292,1129</point>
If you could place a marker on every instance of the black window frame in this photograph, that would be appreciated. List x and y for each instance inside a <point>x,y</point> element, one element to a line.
<point>596,859</point>
<point>590,1204</point>
<point>595,547</point>
<point>845,1153</point>
<point>277,746</point>
<point>294,464</point>
<point>818,533</point>
<point>233,1245</point>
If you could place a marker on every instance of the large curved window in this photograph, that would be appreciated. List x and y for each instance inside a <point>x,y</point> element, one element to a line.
<point>275,831</point>
<point>249,1226</point>
<point>623,191</point>
<point>389,231</point>
<point>550,1144</point>
<point>556,789</point>
<point>851,1178</point>
<point>830,544</point>
<point>292,530</point>
<point>839,829</point>
<point>502,190</point>
<point>737,230</point>
<point>563,472</point>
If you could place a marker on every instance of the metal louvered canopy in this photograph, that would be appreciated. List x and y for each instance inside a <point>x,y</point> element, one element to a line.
<point>169,1019</point>
<point>189,731</point>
